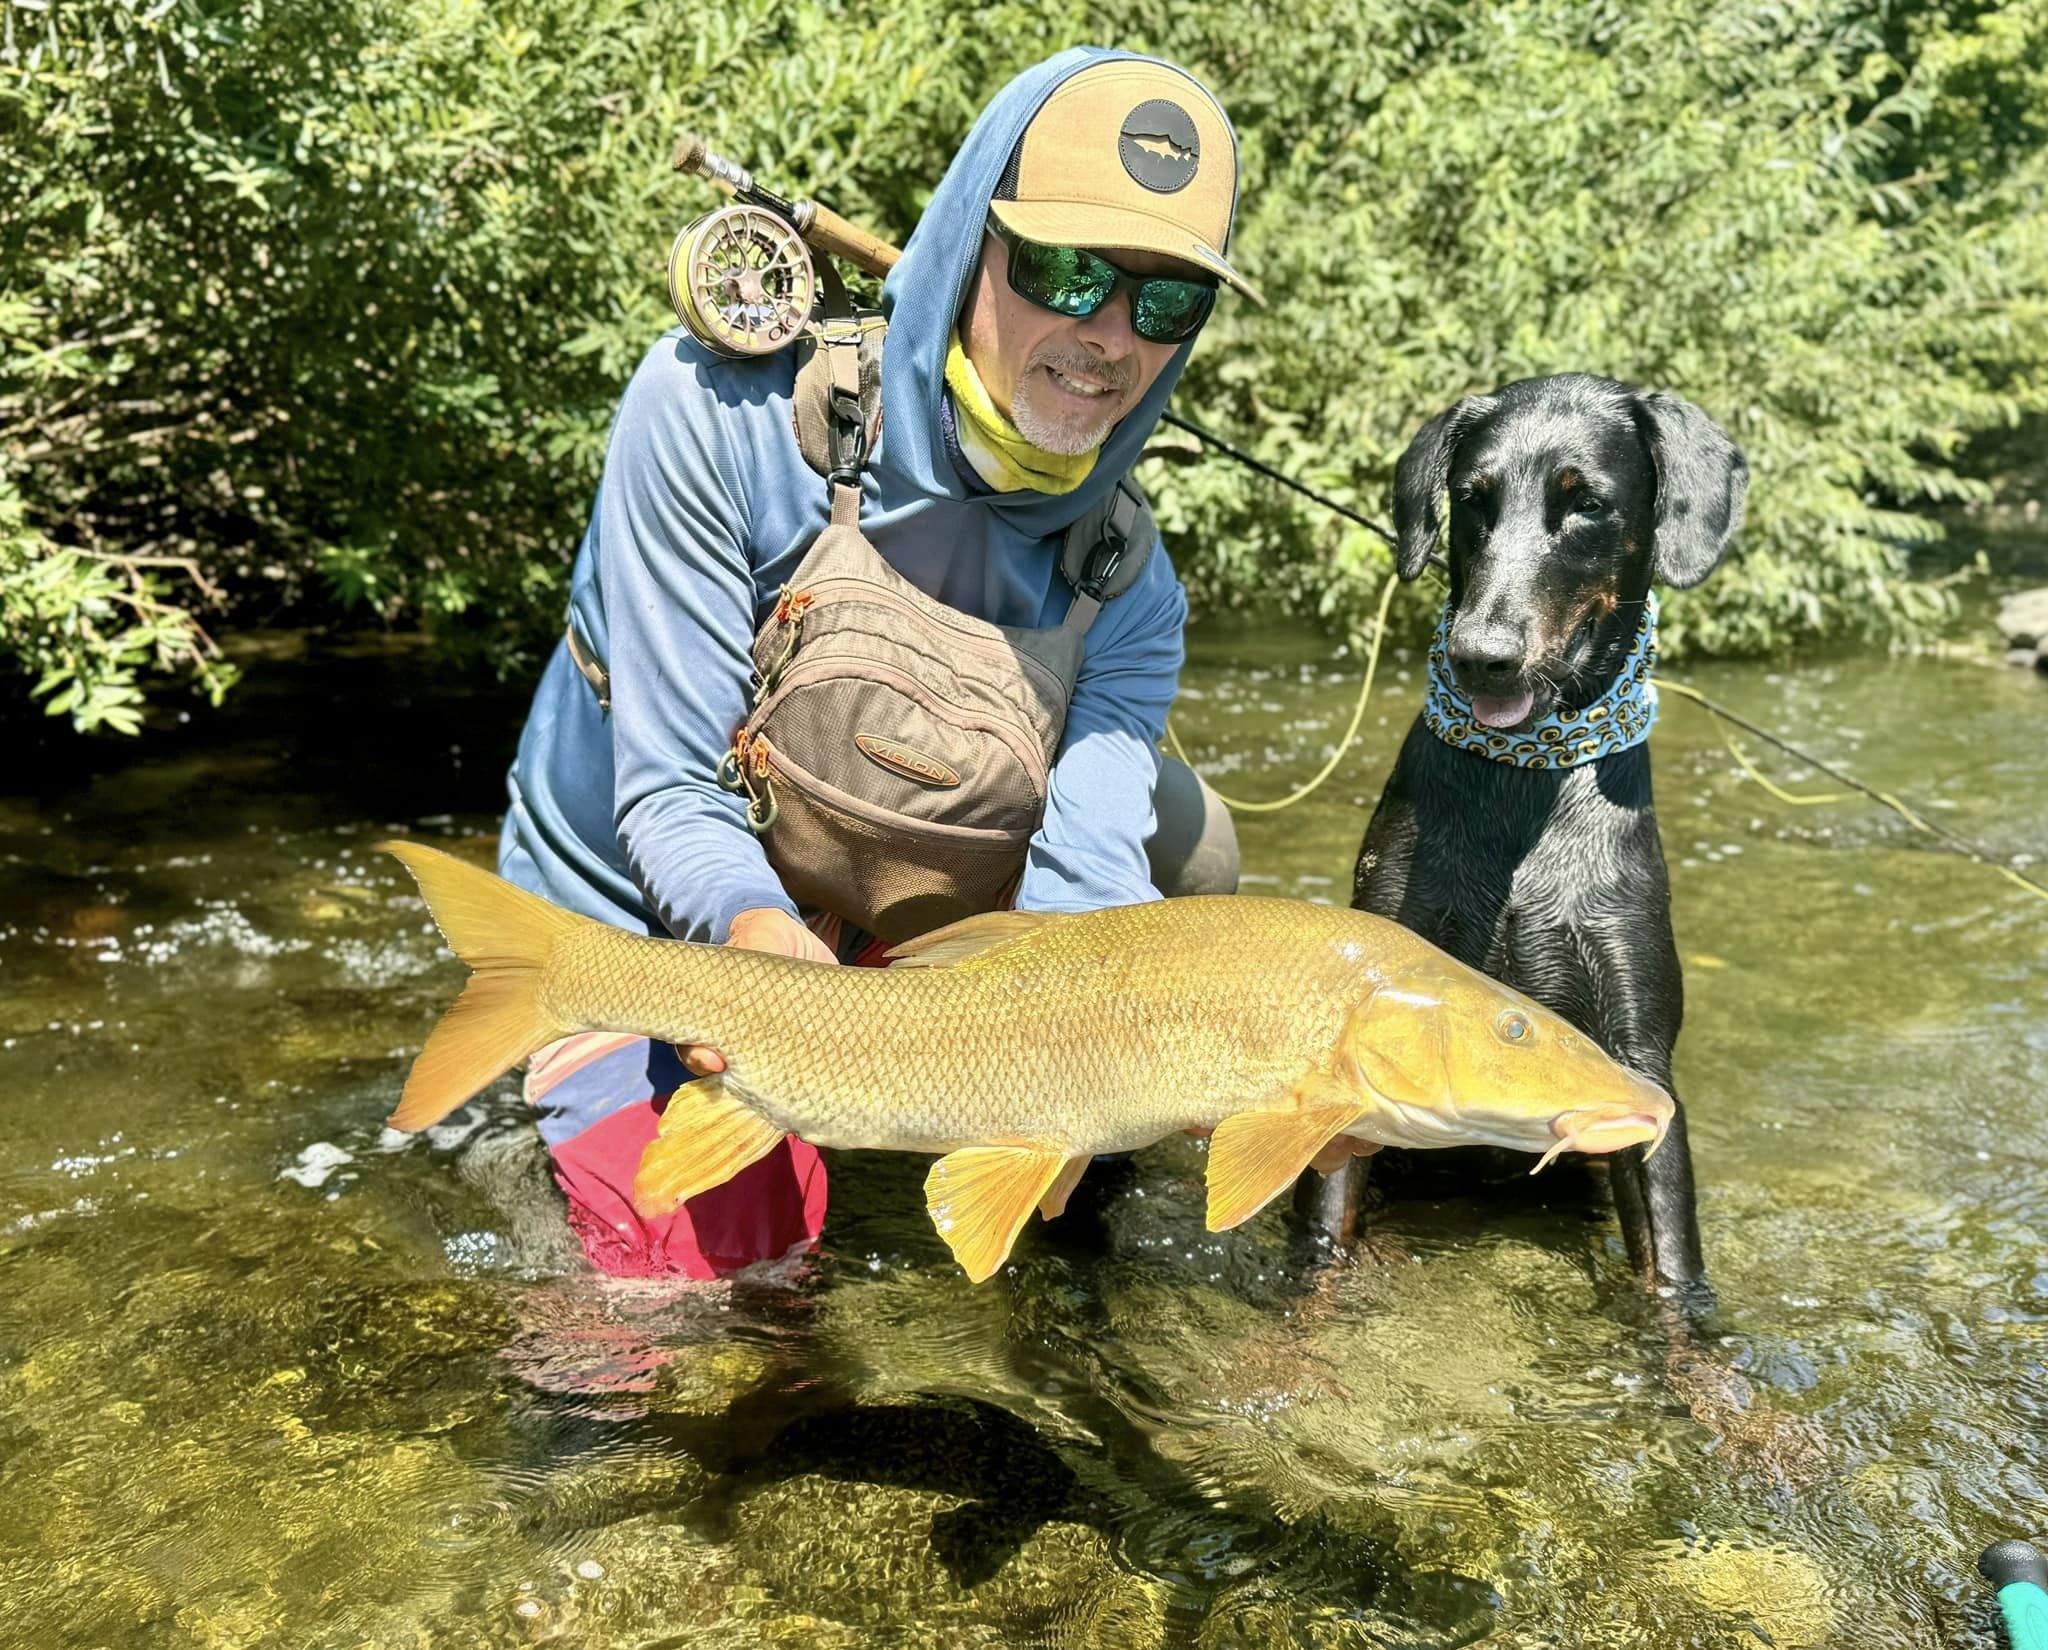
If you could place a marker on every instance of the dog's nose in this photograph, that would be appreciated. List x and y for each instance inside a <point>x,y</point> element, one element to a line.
<point>1487,655</point>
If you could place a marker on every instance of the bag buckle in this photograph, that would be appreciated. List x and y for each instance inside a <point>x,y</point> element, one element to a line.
<point>1108,555</point>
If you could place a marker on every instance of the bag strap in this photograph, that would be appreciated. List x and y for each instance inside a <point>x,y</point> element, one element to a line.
<point>837,402</point>
<point>1107,549</point>
<point>837,407</point>
<point>587,666</point>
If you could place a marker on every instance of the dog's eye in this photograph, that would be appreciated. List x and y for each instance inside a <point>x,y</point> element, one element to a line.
<point>1585,504</point>
<point>1515,1029</point>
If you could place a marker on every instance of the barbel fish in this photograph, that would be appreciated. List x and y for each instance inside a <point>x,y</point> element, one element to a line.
<point>1018,1045</point>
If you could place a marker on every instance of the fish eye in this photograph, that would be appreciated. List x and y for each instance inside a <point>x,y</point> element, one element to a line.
<point>1513,1027</point>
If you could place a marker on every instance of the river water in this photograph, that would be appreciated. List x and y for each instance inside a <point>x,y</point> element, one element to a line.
<point>271,1375</point>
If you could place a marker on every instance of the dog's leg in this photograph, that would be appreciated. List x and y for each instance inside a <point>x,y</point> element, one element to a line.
<point>1329,1203</point>
<point>1621,986</point>
<point>1654,1201</point>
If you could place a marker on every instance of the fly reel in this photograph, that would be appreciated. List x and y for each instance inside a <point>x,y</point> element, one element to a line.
<point>741,279</point>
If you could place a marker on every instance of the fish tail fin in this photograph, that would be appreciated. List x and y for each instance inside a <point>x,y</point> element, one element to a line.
<point>708,1134</point>
<point>506,935</point>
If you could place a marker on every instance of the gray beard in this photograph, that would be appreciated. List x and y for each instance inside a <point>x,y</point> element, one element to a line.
<point>1063,436</point>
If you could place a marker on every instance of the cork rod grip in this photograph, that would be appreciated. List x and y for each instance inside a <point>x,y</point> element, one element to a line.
<point>829,232</point>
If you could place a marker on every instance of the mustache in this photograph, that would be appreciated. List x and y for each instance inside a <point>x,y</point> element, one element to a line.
<point>1118,375</point>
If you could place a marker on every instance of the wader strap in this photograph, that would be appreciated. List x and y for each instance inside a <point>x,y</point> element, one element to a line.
<point>592,672</point>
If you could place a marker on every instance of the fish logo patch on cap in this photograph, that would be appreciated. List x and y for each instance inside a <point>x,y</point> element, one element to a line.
<point>1160,147</point>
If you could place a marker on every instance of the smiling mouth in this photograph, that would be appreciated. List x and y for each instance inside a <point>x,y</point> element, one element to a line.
<point>1084,389</point>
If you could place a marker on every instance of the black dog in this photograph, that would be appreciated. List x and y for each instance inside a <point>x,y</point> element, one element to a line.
<point>1569,497</point>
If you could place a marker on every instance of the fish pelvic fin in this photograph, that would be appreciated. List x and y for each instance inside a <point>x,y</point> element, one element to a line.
<point>1054,1203</point>
<point>1256,1155</point>
<point>707,1135</point>
<point>507,936</point>
<point>980,1196</point>
<point>968,938</point>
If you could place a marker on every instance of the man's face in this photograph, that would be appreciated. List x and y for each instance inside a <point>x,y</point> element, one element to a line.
<point>1063,382</point>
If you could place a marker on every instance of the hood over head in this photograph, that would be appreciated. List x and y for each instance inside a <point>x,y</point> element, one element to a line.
<point>922,299</point>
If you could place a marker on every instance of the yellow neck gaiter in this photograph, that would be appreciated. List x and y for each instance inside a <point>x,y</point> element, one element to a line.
<point>1000,456</point>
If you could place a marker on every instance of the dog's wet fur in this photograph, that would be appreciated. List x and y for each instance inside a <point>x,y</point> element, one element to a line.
<point>1569,498</point>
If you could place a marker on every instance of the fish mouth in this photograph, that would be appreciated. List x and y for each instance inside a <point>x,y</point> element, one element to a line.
<point>1606,1128</point>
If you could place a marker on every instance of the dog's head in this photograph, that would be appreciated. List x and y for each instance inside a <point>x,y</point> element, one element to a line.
<point>1569,497</point>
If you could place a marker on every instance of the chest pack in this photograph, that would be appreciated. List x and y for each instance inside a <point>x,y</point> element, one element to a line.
<point>897,754</point>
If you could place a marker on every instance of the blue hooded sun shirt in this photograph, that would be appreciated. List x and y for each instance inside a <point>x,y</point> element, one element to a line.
<point>704,510</point>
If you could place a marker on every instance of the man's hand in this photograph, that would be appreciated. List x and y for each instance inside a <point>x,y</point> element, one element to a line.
<point>764,928</point>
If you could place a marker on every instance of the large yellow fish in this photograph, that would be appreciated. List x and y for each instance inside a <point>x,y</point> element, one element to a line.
<point>1018,1045</point>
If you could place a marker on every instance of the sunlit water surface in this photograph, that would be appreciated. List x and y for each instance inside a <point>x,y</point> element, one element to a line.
<point>270,1375</point>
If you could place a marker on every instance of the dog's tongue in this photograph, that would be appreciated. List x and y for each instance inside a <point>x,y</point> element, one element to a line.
<point>1502,713</point>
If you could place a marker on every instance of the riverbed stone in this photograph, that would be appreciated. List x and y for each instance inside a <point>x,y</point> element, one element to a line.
<point>888,1556</point>
<point>2023,619</point>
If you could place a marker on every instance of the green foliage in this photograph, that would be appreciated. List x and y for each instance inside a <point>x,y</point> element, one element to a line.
<point>329,307</point>
<point>82,626</point>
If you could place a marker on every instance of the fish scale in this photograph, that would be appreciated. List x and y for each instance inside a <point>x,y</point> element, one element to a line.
<point>1103,1036</point>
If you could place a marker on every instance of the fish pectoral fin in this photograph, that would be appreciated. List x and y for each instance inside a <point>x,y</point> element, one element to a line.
<point>1256,1155</point>
<point>1054,1203</point>
<point>708,1134</point>
<point>980,1196</point>
<point>969,937</point>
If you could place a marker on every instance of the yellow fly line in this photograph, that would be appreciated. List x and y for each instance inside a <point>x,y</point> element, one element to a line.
<point>1724,719</point>
<point>1372,665</point>
<point>1969,850</point>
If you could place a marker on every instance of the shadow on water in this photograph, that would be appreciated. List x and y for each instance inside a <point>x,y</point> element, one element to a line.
<point>270,1374</point>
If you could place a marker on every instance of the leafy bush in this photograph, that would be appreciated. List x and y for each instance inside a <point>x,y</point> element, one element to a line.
<point>326,309</point>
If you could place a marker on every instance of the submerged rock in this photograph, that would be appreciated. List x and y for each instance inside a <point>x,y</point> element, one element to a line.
<point>1770,1591</point>
<point>2023,622</point>
<point>894,1556</point>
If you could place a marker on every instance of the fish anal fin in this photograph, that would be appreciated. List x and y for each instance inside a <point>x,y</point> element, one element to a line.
<point>970,937</point>
<point>1054,1203</point>
<point>708,1134</point>
<point>1256,1155</point>
<point>980,1196</point>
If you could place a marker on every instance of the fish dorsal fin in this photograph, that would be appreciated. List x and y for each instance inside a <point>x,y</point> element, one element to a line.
<point>980,1196</point>
<point>708,1134</point>
<point>966,939</point>
<point>1256,1155</point>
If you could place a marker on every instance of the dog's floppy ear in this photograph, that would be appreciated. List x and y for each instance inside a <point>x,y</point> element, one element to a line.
<point>1419,484</point>
<point>1702,481</point>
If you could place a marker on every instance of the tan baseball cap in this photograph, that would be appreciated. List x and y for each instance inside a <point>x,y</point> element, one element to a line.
<point>1128,154</point>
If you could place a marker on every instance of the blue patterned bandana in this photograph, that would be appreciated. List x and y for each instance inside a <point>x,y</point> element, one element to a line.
<point>1619,718</point>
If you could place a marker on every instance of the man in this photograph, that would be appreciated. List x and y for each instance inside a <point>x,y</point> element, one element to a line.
<point>1019,382</point>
